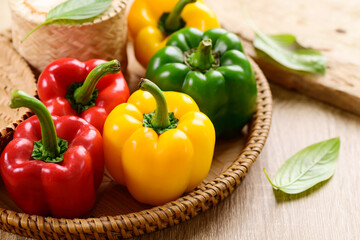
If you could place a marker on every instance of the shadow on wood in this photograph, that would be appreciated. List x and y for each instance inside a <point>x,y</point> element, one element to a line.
<point>285,197</point>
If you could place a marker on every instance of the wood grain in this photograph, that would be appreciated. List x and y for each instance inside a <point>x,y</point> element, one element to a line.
<point>254,210</point>
<point>332,27</point>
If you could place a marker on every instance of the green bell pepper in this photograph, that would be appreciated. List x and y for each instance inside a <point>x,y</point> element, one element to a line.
<point>212,68</point>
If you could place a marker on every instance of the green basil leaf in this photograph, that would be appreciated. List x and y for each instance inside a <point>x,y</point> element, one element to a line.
<point>78,10</point>
<point>74,11</point>
<point>285,50</point>
<point>309,166</point>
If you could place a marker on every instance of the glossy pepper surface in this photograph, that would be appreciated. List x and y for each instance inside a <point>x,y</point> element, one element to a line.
<point>70,87</point>
<point>212,68</point>
<point>158,144</point>
<point>53,165</point>
<point>151,22</point>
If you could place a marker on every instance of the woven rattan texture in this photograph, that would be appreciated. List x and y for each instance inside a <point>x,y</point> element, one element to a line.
<point>104,38</point>
<point>12,68</point>
<point>138,223</point>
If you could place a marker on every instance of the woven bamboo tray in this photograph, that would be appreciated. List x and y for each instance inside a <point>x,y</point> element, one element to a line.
<point>116,214</point>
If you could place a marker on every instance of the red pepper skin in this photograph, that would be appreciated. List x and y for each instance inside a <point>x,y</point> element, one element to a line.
<point>66,189</point>
<point>61,73</point>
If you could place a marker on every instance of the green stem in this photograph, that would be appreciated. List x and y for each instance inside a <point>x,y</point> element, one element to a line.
<point>160,118</point>
<point>48,132</point>
<point>173,21</point>
<point>202,58</point>
<point>84,93</point>
<point>268,178</point>
<point>36,28</point>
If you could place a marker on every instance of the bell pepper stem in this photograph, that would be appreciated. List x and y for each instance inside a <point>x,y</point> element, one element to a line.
<point>202,58</point>
<point>83,94</point>
<point>173,22</point>
<point>48,132</point>
<point>160,118</point>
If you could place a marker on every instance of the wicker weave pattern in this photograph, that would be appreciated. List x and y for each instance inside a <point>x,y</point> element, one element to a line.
<point>157,218</point>
<point>103,38</point>
<point>12,68</point>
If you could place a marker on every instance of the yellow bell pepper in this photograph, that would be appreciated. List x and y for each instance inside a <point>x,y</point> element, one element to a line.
<point>150,22</point>
<point>158,155</point>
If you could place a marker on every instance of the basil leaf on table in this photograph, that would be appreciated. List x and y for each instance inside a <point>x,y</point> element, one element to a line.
<point>309,166</point>
<point>285,50</point>
<point>71,11</point>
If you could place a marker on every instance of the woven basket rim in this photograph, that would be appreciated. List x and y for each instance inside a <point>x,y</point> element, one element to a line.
<point>159,217</point>
<point>37,18</point>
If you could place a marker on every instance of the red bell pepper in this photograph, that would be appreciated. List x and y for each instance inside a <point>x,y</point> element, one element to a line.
<point>53,165</point>
<point>70,87</point>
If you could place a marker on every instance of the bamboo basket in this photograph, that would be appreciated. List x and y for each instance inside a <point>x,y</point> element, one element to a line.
<point>116,215</point>
<point>12,68</point>
<point>104,37</point>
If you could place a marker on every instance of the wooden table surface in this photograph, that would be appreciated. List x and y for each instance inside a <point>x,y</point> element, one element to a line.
<point>254,210</point>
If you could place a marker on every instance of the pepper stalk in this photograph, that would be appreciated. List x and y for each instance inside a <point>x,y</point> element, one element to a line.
<point>171,22</point>
<point>82,95</point>
<point>159,120</point>
<point>50,148</point>
<point>202,59</point>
